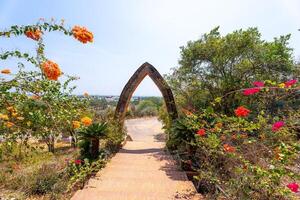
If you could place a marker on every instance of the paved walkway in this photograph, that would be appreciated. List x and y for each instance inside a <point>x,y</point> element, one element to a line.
<point>140,171</point>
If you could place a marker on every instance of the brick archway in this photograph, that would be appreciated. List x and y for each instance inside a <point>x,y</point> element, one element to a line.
<point>144,70</point>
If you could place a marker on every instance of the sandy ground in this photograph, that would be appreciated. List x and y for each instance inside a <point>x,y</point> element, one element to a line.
<point>141,170</point>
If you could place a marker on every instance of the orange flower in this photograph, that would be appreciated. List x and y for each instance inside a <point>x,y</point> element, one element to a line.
<point>86,121</point>
<point>241,111</point>
<point>5,71</point>
<point>34,34</point>
<point>229,148</point>
<point>35,97</point>
<point>219,125</point>
<point>9,124</point>
<point>10,108</point>
<point>85,94</point>
<point>277,154</point>
<point>82,34</point>
<point>51,70</point>
<point>3,117</point>
<point>186,112</point>
<point>76,124</point>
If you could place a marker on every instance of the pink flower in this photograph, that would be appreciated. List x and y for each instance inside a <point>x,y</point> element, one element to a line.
<point>277,126</point>
<point>77,162</point>
<point>290,83</point>
<point>294,187</point>
<point>258,84</point>
<point>250,91</point>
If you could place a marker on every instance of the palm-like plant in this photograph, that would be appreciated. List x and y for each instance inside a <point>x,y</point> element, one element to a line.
<point>90,136</point>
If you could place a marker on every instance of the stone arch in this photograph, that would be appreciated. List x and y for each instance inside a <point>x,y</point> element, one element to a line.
<point>127,92</point>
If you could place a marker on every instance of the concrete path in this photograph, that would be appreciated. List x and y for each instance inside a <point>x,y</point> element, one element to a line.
<point>141,170</point>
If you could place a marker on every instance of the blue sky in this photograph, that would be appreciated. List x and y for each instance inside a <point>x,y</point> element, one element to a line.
<point>130,32</point>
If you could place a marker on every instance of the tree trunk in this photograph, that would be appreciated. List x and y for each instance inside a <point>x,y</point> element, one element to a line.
<point>73,138</point>
<point>94,147</point>
<point>50,144</point>
<point>73,142</point>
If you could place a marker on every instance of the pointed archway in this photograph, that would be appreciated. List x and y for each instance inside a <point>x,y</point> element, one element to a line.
<point>127,92</point>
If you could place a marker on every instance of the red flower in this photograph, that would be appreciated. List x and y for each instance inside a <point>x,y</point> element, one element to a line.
<point>290,83</point>
<point>229,148</point>
<point>294,187</point>
<point>201,132</point>
<point>251,91</point>
<point>258,84</point>
<point>241,111</point>
<point>277,126</point>
<point>77,162</point>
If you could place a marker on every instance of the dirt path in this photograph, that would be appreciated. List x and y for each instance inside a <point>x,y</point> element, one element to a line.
<point>140,171</point>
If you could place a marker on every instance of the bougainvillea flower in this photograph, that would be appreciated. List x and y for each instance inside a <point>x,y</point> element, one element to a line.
<point>86,121</point>
<point>294,187</point>
<point>51,70</point>
<point>241,111</point>
<point>201,132</point>
<point>86,94</point>
<point>34,34</point>
<point>76,124</point>
<point>229,148</point>
<point>77,162</point>
<point>277,125</point>
<point>258,84</point>
<point>251,91</point>
<point>290,83</point>
<point>82,34</point>
<point>5,71</point>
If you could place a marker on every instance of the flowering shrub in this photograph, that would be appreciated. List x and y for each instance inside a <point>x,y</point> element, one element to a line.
<point>35,103</point>
<point>252,154</point>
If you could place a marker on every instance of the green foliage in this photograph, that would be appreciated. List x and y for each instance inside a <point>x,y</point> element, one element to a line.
<point>237,157</point>
<point>36,106</point>
<point>96,130</point>
<point>79,173</point>
<point>89,139</point>
<point>216,65</point>
<point>148,106</point>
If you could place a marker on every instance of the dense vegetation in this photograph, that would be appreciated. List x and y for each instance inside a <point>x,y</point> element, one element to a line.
<point>239,126</point>
<point>148,106</point>
<point>38,110</point>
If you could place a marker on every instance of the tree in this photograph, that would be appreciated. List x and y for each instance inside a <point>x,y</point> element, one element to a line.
<point>216,65</point>
<point>35,103</point>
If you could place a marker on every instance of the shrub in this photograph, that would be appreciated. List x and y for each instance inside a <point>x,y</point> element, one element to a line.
<point>90,137</point>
